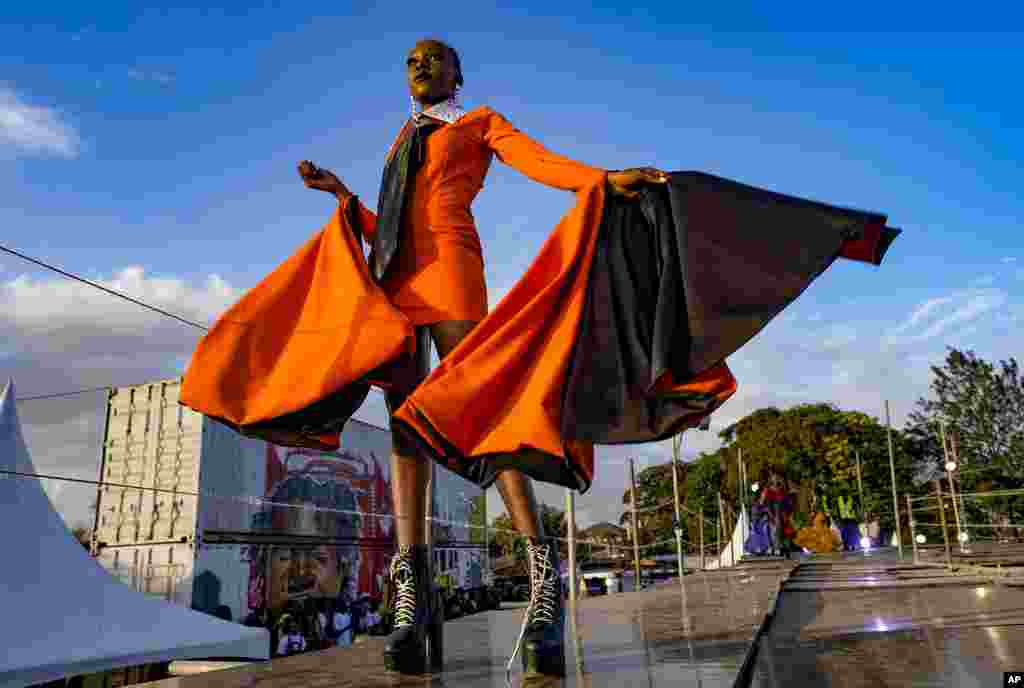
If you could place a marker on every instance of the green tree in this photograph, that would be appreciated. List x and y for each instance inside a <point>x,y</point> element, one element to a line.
<point>514,544</point>
<point>816,446</point>
<point>655,508</point>
<point>982,405</point>
<point>505,536</point>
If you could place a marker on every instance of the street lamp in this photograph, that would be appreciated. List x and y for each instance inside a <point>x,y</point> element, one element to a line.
<point>921,539</point>
<point>950,466</point>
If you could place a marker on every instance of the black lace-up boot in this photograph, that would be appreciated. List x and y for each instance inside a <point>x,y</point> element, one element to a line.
<point>544,621</point>
<point>417,639</point>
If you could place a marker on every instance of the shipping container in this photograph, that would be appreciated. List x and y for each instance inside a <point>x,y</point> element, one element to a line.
<point>235,526</point>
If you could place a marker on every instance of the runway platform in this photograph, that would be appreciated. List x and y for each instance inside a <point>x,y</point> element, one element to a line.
<point>847,621</point>
<point>669,635</point>
<point>844,621</point>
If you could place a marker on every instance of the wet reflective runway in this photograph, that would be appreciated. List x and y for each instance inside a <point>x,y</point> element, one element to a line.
<point>841,620</point>
<point>669,635</point>
<point>859,622</point>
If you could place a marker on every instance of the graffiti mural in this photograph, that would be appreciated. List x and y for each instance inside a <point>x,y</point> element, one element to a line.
<point>322,554</point>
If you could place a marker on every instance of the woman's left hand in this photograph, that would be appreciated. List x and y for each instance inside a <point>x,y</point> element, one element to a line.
<point>624,182</point>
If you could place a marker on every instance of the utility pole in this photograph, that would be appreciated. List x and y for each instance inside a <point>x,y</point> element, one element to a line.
<point>636,531</point>
<point>678,525</point>
<point>721,527</point>
<point>892,475</point>
<point>860,486</point>
<point>949,476</point>
<point>960,467</point>
<point>570,512</point>
<point>942,519</point>
<point>700,522</point>
<point>487,542</point>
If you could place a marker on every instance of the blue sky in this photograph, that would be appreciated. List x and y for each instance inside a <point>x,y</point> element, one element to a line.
<point>155,149</point>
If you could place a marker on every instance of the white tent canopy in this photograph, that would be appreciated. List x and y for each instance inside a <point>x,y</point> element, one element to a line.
<point>732,551</point>
<point>63,614</point>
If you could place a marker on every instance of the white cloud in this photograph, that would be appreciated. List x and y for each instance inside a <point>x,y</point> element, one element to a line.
<point>922,311</point>
<point>62,336</point>
<point>967,306</point>
<point>35,129</point>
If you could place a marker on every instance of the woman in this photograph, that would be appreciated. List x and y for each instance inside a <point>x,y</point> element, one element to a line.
<point>437,280</point>
<point>760,540</point>
<point>342,624</point>
<point>617,333</point>
<point>774,497</point>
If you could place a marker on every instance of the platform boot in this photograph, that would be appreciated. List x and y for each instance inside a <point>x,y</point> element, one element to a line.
<point>541,639</point>
<point>415,644</point>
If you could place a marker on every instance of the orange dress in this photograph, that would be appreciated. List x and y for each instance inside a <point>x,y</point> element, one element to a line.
<point>438,272</point>
<point>531,387</point>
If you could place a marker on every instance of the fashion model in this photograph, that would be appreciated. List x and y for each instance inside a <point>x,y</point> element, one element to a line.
<point>617,333</point>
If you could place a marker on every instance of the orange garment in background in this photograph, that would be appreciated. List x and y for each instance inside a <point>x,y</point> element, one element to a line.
<point>438,271</point>
<point>819,537</point>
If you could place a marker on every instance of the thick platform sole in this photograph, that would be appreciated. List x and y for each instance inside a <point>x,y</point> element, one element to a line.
<point>547,664</point>
<point>425,658</point>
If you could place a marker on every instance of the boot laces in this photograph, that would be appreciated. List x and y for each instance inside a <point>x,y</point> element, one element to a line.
<point>543,597</point>
<point>405,604</point>
<point>543,587</point>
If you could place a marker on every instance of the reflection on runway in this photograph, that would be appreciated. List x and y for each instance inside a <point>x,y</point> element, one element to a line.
<point>852,623</point>
<point>696,634</point>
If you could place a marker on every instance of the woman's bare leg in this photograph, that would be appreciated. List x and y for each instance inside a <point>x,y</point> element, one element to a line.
<point>515,488</point>
<point>409,470</point>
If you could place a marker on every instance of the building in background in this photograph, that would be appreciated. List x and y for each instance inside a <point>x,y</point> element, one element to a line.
<point>272,527</point>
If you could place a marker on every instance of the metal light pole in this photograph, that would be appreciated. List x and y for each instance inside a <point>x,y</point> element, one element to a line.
<point>956,459</point>
<point>700,522</point>
<point>892,476</point>
<point>942,519</point>
<point>721,527</point>
<point>676,441</point>
<point>743,488</point>
<point>860,485</point>
<point>570,511</point>
<point>636,531</point>
<point>487,542</point>
<point>429,526</point>
<point>913,533</point>
<point>950,466</point>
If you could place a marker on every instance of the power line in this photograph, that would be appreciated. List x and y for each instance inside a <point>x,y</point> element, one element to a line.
<point>113,292</point>
<point>101,287</point>
<point>64,394</point>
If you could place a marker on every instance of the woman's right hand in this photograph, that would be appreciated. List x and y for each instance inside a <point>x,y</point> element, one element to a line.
<point>323,180</point>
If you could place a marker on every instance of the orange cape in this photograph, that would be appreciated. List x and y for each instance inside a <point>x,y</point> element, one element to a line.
<point>295,357</point>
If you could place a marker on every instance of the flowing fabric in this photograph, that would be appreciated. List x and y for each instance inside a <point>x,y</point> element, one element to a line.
<point>295,357</point>
<point>618,331</point>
